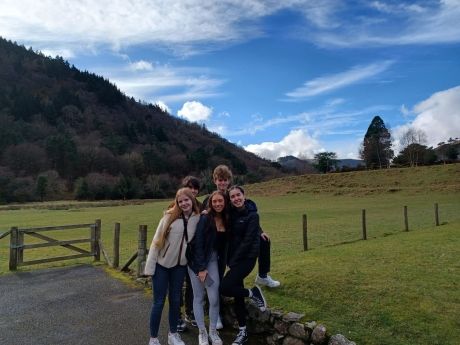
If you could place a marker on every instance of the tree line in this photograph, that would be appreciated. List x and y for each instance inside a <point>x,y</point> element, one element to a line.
<point>377,153</point>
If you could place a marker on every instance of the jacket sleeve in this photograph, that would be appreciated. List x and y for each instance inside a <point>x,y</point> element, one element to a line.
<point>250,243</point>
<point>152,258</point>
<point>199,245</point>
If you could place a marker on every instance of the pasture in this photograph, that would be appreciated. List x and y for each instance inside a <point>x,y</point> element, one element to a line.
<point>395,288</point>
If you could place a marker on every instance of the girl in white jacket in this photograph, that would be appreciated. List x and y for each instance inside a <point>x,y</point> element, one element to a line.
<point>166,262</point>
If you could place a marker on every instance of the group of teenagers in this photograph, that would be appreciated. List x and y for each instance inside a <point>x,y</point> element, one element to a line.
<point>212,246</point>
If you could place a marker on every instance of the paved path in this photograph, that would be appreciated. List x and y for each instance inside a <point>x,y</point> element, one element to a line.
<point>80,305</point>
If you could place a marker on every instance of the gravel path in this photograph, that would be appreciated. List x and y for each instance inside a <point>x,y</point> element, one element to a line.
<point>79,305</point>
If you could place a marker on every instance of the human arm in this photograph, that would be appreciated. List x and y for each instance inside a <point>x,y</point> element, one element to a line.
<point>152,257</point>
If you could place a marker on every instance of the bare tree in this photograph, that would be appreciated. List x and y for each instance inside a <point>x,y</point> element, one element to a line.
<point>410,137</point>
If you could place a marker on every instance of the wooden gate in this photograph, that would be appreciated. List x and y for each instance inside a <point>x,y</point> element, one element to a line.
<point>18,246</point>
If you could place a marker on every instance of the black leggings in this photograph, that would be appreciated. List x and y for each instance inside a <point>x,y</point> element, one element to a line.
<point>233,286</point>
<point>264,257</point>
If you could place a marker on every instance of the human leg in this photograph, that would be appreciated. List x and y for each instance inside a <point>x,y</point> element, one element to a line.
<point>198,298</point>
<point>160,283</point>
<point>213,293</point>
<point>263,278</point>
<point>176,280</point>
<point>233,286</point>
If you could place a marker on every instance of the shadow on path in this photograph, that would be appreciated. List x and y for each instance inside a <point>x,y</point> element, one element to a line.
<point>79,305</point>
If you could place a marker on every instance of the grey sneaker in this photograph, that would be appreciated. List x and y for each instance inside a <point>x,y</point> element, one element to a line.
<point>219,324</point>
<point>154,341</point>
<point>267,281</point>
<point>258,298</point>
<point>174,339</point>
<point>214,336</point>
<point>203,337</point>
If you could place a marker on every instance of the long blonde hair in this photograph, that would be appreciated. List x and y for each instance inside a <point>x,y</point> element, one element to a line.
<point>175,213</point>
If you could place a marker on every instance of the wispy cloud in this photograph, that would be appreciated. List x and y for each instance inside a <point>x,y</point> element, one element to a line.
<point>332,82</point>
<point>386,24</point>
<point>323,121</point>
<point>194,26</point>
<point>150,82</point>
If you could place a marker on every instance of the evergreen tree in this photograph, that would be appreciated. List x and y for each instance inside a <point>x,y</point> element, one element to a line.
<point>376,147</point>
<point>325,161</point>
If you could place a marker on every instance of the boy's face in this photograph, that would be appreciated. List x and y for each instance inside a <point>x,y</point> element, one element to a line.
<point>194,190</point>
<point>222,184</point>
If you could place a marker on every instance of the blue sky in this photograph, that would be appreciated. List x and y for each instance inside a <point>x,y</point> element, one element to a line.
<point>275,77</point>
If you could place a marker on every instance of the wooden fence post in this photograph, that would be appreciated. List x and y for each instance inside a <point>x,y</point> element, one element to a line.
<point>93,240</point>
<point>436,214</point>
<point>116,245</point>
<point>20,247</point>
<point>363,221</point>
<point>141,250</point>
<point>14,234</point>
<point>305,237</point>
<point>406,221</point>
<point>97,255</point>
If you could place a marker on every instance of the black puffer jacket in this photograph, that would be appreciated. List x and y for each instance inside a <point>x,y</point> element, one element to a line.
<point>203,244</point>
<point>244,236</point>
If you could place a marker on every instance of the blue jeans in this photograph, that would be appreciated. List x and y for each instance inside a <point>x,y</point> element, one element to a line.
<point>166,280</point>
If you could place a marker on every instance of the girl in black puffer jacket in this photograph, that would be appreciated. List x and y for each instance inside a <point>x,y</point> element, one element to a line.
<point>243,251</point>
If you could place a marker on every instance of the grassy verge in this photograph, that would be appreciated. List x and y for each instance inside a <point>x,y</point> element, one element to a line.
<point>401,289</point>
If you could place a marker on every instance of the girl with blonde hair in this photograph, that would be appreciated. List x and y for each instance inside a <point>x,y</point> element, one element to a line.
<point>167,264</point>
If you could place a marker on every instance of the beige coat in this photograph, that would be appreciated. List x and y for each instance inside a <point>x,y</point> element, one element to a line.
<point>171,254</point>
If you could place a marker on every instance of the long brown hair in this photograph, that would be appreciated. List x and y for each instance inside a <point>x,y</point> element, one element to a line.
<point>175,213</point>
<point>212,213</point>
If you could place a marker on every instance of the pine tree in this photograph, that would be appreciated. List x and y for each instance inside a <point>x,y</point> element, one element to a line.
<point>376,148</point>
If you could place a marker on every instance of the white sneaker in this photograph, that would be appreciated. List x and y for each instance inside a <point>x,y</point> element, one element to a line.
<point>154,341</point>
<point>203,337</point>
<point>268,281</point>
<point>174,339</point>
<point>214,336</point>
<point>219,324</point>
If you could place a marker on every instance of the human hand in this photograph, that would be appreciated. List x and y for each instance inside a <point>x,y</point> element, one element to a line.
<point>265,236</point>
<point>202,275</point>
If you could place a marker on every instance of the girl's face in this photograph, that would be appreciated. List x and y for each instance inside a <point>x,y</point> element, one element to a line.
<point>237,198</point>
<point>185,203</point>
<point>218,203</point>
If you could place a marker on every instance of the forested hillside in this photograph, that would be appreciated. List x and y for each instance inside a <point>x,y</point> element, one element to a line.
<point>67,133</point>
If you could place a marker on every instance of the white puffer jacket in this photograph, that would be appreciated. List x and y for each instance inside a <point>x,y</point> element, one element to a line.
<point>171,254</point>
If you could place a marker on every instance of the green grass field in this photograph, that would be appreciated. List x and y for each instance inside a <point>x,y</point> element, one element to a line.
<point>395,288</point>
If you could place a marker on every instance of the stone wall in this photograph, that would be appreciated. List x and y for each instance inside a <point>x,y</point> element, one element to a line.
<point>278,328</point>
<point>281,328</point>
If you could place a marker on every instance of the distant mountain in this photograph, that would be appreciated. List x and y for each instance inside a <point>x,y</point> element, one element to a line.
<point>297,165</point>
<point>306,166</point>
<point>63,131</point>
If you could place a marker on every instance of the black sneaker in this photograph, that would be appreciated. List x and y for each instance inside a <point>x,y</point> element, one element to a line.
<point>241,337</point>
<point>181,325</point>
<point>190,318</point>
<point>258,298</point>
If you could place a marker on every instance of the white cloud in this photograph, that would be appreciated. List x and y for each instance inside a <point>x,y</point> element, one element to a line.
<point>163,106</point>
<point>141,65</point>
<point>438,116</point>
<point>164,82</point>
<point>431,22</point>
<point>339,80</point>
<point>195,111</point>
<point>404,110</point>
<point>195,26</point>
<point>296,143</point>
